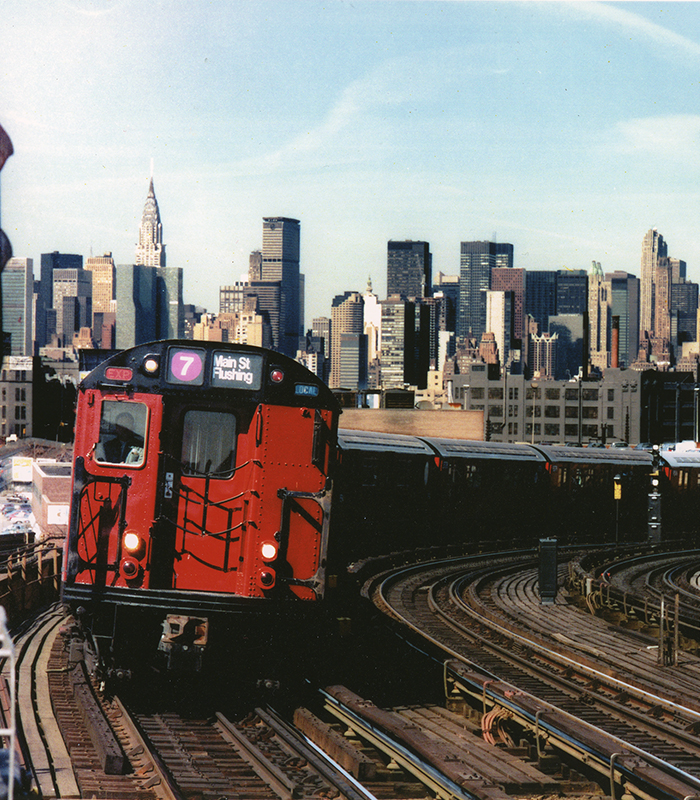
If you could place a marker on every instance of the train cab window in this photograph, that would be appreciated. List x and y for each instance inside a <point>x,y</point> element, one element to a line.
<point>209,443</point>
<point>122,433</point>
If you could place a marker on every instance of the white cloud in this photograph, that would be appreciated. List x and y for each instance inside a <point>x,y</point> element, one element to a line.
<point>672,44</point>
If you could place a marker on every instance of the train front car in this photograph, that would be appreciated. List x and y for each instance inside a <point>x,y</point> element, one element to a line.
<point>201,501</point>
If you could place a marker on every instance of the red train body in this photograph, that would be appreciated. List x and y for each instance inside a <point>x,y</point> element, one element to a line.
<point>201,492</point>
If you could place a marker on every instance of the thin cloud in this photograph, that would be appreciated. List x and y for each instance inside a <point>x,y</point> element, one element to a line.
<point>672,44</point>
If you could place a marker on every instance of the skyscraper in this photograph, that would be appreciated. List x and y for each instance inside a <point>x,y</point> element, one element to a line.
<point>499,321</point>
<point>477,259</point>
<point>17,288</point>
<point>103,273</point>
<point>512,280</point>
<point>599,317</point>
<point>136,305</point>
<point>409,270</point>
<point>624,291</point>
<point>150,250</point>
<point>653,249</point>
<point>347,317</point>
<point>149,294</point>
<point>45,327</point>
<point>541,296</point>
<point>72,301</point>
<point>398,342</point>
<point>280,262</point>
<point>572,291</point>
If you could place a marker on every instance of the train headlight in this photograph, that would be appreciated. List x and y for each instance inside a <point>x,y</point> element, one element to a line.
<point>134,544</point>
<point>151,364</point>
<point>277,376</point>
<point>268,551</point>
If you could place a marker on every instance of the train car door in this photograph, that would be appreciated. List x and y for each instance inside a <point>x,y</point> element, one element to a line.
<point>205,496</point>
<point>295,446</point>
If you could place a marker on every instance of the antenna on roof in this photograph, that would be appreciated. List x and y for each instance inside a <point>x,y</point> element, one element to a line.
<point>151,169</point>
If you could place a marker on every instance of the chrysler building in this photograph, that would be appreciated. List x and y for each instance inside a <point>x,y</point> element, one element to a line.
<point>150,251</point>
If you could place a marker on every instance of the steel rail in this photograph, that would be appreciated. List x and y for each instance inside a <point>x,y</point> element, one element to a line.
<point>428,775</point>
<point>604,762</point>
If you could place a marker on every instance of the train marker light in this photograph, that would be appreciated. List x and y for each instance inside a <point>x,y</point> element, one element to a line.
<point>130,568</point>
<point>268,551</point>
<point>267,578</point>
<point>277,376</point>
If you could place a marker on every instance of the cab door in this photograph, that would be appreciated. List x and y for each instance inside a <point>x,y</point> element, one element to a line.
<point>114,489</point>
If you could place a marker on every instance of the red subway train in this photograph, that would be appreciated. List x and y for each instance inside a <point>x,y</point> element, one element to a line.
<point>217,505</point>
<point>201,492</point>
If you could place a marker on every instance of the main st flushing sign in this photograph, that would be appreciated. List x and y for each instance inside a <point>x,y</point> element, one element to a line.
<point>236,371</point>
<point>229,370</point>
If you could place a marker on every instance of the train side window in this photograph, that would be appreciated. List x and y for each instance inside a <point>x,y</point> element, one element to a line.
<point>209,443</point>
<point>122,433</point>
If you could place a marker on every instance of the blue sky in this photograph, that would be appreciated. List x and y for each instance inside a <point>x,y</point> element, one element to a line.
<point>567,129</point>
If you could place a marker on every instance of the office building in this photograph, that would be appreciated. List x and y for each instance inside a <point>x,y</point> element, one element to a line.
<point>372,310</point>
<point>570,344</point>
<point>103,271</point>
<point>398,342</point>
<point>347,317</point>
<point>477,259</point>
<point>622,406</point>
<point>321,329</point>
<point>447,286</point>
<point>541,297</point>
<point>170,314</point>
<point>45,326</point>
<point>18,376</point>
<point>599,317</point>
<point>72,302</point>
<point>684,308</point>
<point>255,266</point>
<point>542,357</point>
<point>409,269</point>
<point>232,298</point>
<point>280,263</point>
<point>136,304</point>
<point>624,291</point>
<point>149,294</point>
<point>150,250</point>
<point>499,322</point>
<point>17,291</point>
<point>654,248</point>
<point>514,281</point>
<point>572,291</point>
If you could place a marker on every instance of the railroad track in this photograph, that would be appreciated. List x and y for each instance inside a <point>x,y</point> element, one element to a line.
<point>79,747</point>
<point>583,677</point>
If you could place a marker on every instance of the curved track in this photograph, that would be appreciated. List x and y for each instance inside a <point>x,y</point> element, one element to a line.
<point>492,620</point>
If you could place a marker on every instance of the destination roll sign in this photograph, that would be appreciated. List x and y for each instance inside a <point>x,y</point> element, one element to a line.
<point>228,370</point>
<point>236,370</point>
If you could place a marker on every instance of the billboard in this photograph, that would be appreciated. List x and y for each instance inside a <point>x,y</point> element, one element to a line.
<point>21,469</point>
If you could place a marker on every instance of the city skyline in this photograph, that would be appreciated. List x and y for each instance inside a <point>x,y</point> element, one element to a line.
<point>568,130</point>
